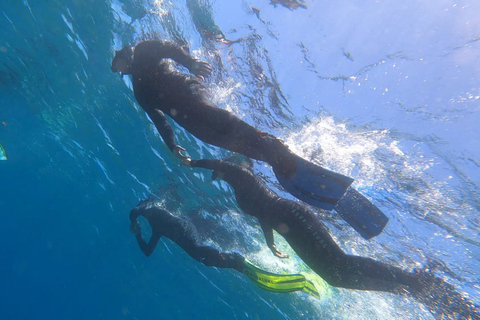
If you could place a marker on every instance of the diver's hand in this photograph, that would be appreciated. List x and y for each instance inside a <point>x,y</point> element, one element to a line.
<point>201,69</point>
<point>281,255</point>
<point>278,253</point>
<point>186,162</point>
<point>177,151</point>
<point>135,228</point>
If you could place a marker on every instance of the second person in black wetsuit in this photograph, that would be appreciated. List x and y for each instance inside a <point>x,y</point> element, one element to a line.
<point>184,234</point>
<point>160,90</point>
<point>180,231</point>
<point>310,239</point>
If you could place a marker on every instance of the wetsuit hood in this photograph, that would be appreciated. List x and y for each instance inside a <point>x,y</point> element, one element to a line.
<point>123,60</point>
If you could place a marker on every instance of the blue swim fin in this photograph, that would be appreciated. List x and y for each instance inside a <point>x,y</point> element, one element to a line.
<point>315,185</point>
<point>329,190</point>
<point>361,214</point>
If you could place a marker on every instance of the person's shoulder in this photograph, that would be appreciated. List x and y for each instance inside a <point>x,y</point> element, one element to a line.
<point>154,43</point>
<point>144,44</point>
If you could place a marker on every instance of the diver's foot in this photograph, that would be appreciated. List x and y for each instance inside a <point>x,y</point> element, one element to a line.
<point>283,161</point>
<point>285,166</point>
<point>235,261</point>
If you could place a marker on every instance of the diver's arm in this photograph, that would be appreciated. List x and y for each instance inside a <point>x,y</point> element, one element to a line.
<point>219,165</point>
<point>268,233</point>
<point>157,50</point>
<point>211,164</point>
<point>165,129</point>
<point>147,248</point>
<point>221,169</point>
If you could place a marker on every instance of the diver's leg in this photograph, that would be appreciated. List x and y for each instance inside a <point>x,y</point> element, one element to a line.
<point>223,129</point>
<point>211,257</point>
<point>187,238</point>
<point>311,240</point>
<point>362,273</point>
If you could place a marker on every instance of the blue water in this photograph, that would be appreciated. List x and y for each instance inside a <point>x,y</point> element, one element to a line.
<point>388,93</point>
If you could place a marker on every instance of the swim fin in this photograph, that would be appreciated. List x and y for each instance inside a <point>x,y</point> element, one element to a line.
<point>329,190</point>
<point>361,214</point>
<point>280,283</point>
<point>315,185</point>
<point>3,153</point>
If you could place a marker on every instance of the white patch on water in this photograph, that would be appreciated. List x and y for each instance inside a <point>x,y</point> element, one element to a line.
<point>119,14</point>
<point>332,145</point>
<point>107,137</point>
<point>103,170</point>
<point>222,95</point>
<point>77,39</point>
<point>147,188</point>
<point>11,22</point>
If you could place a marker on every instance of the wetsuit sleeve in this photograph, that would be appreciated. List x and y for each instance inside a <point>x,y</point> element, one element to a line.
<point>163,127</point>
<point>157,50</point>
<point>147,248</point>
<point>214,164</point>
<point>210,164</point>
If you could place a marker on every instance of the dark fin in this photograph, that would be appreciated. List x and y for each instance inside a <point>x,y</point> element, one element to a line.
<point>280,283</point>
<point>315,185</point>
<point>361,214</point>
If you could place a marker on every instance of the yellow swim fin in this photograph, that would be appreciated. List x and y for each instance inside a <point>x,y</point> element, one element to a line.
<point>3,153</point>
<point>281,283</point>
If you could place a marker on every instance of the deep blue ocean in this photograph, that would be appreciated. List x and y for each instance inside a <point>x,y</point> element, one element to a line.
<point>387,92</point>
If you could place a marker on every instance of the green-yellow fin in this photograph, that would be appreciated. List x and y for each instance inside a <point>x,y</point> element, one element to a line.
<point>3,153</point>
<point>281,283</point>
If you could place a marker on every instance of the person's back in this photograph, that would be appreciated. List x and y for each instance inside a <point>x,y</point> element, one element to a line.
<point>158,85</point>
<point>250,193</point>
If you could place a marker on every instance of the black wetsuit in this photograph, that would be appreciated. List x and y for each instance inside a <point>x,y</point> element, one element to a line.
<point>161,90</point>
<point>183,233</point>
<point>310,239</point>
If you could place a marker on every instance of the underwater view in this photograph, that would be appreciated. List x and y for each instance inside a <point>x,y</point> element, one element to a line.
<point>105,104</point>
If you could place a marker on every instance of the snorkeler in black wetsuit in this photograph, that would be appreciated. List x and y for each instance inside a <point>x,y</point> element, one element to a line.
<point>184,234</point>
<point>180,231</point>
<point>159,89</point>
<point>310,239</point>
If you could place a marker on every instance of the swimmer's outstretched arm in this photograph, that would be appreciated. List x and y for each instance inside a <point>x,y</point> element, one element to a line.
<point>166,131</point>
<point>147,248</point>
<point>268,233</point>
<point>211,164</point>
<point>155,50</point>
